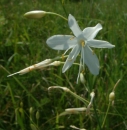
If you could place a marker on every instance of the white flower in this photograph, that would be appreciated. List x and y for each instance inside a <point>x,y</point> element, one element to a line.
<point>80,42</point>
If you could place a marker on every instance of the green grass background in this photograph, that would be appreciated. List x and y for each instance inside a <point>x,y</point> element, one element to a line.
<point>23,43</point>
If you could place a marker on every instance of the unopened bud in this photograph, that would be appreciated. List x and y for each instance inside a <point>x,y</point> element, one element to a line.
<point>63,88</point>
<point>21,104</point>
<point>76,128</point>
<point>71,110</point>
<point>111,96</point>
<point>31,110</point>
<point>35,14</point>
<point>37,115</point>
<point>39,65</point>
<point>55,63</point>
<point>21,110</point>
<point>82,79</point>
<point>43,64</point>
<point>33,127</point>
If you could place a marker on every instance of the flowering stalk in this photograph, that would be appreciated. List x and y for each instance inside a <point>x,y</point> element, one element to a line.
<point>92,94</point>
<point>69,91</point>
<point>33,67</point>
<point>57,15</point>
<point>41,65</point>
<point>105,115</point>
<point>78,97</point>
<point>111,99</point>
<point>36,14</point>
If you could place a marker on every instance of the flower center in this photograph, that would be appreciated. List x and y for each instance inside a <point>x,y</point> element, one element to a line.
<point>82,42</point>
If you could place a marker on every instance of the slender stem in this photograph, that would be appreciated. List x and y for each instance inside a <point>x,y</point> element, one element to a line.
<point>69,82</point>
<point>57,58</point>
<point>116,84</point>
<point>78,97</point>
<point>56,15</point>
<point>57,122</point>
<point>96,115</point>
<point>62,2</point>
<point>105,115</point>
<point>12,96</point>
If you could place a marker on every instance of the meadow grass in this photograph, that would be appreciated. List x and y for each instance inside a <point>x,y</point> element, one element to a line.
<point>25,102</point>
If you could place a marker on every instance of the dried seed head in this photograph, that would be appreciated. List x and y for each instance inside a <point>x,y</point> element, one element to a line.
<point>111,96</point>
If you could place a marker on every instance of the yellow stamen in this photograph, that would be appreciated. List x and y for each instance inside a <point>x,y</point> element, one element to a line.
<point>82,42</point>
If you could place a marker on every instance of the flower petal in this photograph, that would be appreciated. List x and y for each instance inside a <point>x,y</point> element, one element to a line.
<point>71,58</point>
<point>99,44</point>
<point>74,26</point>
<point>81,66</point>
<point>91,60</point>
<point>91,32</point>
<point>61,42</point>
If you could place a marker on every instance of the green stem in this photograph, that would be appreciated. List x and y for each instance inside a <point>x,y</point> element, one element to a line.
<point>105,115</point>
<point>22,86</point>
<point>57,15</point>
<point>11,93</point>
<point>62,2</point>
<point>69,82</point>
<point>96,115</point>
<point>78,97</point>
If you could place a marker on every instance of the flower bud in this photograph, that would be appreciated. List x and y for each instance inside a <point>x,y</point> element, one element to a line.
<point>63,88</point>
<point>21,104</point>
<point>37,115</point>
<point>72,110</point>
<point>31,110</point>
<point>33,127</point>
<point>55,63</point>
<point>111,96</point>
<point>82,79</point>
<point>35,14</point>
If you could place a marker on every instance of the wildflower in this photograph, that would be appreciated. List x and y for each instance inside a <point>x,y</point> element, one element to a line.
<point>35,14</point>
<point>80,42</point>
